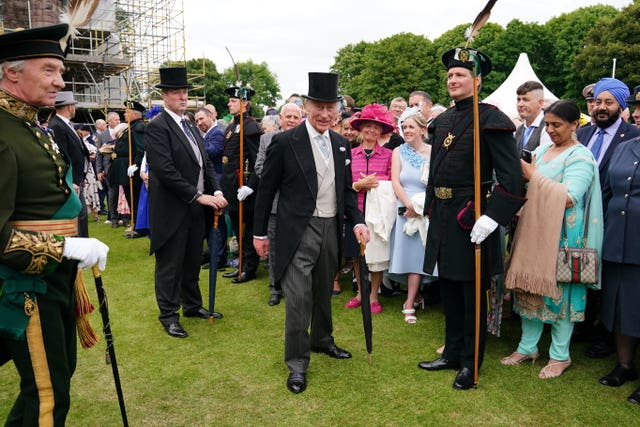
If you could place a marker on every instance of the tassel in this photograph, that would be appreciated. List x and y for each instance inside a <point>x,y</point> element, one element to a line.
<point>479,22</point>
<point>77,14</point>
<point>83,308</point>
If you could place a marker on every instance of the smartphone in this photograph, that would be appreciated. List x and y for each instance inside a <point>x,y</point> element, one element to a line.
<point>402,210</point>
<point>526,156</point>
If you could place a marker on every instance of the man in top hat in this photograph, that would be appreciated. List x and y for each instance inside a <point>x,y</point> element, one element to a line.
<point>309,166</point>
<point>183,190</point>
<point>71,143</point>
<point>125,166</point>
<point>449,197</point>
<point>38,214</point>
<point>634,100</point>
<point>235,191</point>
<point>608,131</point>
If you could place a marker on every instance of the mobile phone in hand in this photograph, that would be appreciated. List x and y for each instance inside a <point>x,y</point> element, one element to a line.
<point>526,156</point>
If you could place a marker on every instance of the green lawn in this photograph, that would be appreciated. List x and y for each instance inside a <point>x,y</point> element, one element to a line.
<point>232,373</point>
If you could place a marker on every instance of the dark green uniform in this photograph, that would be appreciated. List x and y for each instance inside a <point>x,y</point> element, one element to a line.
<point>34,185</point>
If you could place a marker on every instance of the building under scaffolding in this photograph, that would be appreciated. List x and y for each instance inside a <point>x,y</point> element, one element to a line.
<point>118,54</point>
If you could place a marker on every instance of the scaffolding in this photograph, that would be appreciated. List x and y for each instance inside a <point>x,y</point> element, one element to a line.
<point>117,56</point>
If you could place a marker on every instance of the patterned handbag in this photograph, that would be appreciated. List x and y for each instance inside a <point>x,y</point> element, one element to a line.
<point>577,265</point>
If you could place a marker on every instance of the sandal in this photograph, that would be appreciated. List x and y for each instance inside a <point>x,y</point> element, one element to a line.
<point>516,358</point>
<point>554,368</point>
<point>409,315</point>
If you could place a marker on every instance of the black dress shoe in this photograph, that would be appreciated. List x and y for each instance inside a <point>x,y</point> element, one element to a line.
<point>217,315</point>
<point>619,376</point>
<point>244,277</point>
<point>599,350</point>
<point>175,330</point>
<point>438,365</point>
<point>231,274</point>
<point>464,379</point>
<point>333,351</point>
<point>200,313</point>
<point>274,299</point>
<point>297,382</point>
<point>634,397</point>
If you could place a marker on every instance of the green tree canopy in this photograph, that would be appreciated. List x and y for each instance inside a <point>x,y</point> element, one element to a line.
<point>261,79</point>
<point>211,86</point>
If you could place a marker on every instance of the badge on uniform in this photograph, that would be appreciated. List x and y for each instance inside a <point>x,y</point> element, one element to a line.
<point>237,130</point>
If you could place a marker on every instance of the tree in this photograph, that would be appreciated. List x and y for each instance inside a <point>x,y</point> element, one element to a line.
<point>615,37</point>
<point>211,86</point>
<point>350,65</point>
<point>261,79</point>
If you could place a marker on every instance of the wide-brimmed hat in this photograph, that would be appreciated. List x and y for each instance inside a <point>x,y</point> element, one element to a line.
<point>323,87</point>
<point>174,78</point>
<point>587,92</point>
<point>634,98</point>
<point>240,93</point>
<point>41,42</point>
<point>471,59</point>
<point>375,113</point>
<point>63,98</point>
<point>134,105</point>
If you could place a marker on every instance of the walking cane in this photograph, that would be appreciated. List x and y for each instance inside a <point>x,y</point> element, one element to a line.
<point>106,328</point>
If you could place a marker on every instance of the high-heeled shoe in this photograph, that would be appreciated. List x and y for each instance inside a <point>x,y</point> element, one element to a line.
<point>409,315</point>
<point>554,368</point>
<point>419,304</point>
<point>516,358</point>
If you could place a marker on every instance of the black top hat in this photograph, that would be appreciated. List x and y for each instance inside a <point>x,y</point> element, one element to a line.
<point>134,105</point>
<point>634,98</point>
<point>323,87</point>
<point>237,92</point>
<point>173,78</point>
<point>41,42</point>
<point>471,59</point>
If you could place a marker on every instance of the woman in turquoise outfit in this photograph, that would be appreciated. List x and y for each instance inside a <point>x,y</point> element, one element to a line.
<point>566,171</point>
<point>409,172</point>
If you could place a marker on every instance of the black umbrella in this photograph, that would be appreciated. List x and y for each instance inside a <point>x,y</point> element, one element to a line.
<point>213,265</point>
<point>365,290</point>
<point>106,328</point>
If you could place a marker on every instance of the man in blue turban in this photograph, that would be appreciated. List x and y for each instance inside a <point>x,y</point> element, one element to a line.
<point>602,138</point>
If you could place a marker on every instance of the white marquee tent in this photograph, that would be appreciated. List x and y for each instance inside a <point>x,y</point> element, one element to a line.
<point>505,96</point>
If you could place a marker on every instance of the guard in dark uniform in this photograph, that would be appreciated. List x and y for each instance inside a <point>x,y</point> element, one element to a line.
<point>245,191</point>
<point>449,205</point>
<point>38,263</point>
<point>121,169</point>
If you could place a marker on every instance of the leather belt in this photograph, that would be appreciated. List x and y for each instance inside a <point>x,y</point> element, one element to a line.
<point>445,193</point>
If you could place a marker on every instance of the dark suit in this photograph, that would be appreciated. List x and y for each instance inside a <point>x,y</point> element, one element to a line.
<point>177,223</point>
<point>290,168</point>
<point>214,146</point>
<point>73,147</point>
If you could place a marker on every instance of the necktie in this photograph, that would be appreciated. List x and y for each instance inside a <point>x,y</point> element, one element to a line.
<point>597,145</point>
<point>192,140</point>
<point>527,134</point>
<point>324,146</point>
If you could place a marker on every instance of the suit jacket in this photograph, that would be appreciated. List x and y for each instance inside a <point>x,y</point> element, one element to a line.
<point>72,146</point>
<point>103,160</point>
<point>624,132</point>
<point>173,177</point>
<point>214,146</point>
<point>290,168</point>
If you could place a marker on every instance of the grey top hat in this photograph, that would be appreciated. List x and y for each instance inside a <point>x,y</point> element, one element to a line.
<point>65,97</point>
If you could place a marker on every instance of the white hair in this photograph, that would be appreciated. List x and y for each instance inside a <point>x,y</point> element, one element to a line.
<point>11,65</point>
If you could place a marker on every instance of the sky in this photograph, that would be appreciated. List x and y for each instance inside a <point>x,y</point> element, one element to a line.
<point>298,37</point>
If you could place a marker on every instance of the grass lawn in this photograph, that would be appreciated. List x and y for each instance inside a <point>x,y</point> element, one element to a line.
<point>232,373</point>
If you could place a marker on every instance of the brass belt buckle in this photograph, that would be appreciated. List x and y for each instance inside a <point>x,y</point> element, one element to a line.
<point>444,193</point>
<point>225,160</point>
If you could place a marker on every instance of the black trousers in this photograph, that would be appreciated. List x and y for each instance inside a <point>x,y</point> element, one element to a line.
<point>250,258</point>
<point>458,302</point>
<point>178,268</point>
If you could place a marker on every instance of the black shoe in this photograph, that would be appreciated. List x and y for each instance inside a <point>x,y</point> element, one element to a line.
<point>599,350</point>
<point>619,376</point>
<point>438,365</point>
<point>175,330</point>
<point>244,277</point>
<point>464,379</point>
<point>297,382</point>
<point>132,235</point>
<point>634,397</point>
<point>231,274</point>
<point>274,299</point>
<point>217,315</point>
<point>114,224</point>
<point>200,313</point>
<point>333,351</point>
<point>205,266</point>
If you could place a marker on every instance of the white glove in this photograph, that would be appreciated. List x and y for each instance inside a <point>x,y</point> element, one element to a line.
<point>244,192</point>
<point>87,250</point>
<point>131,170</point>
<point>482,228</point>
